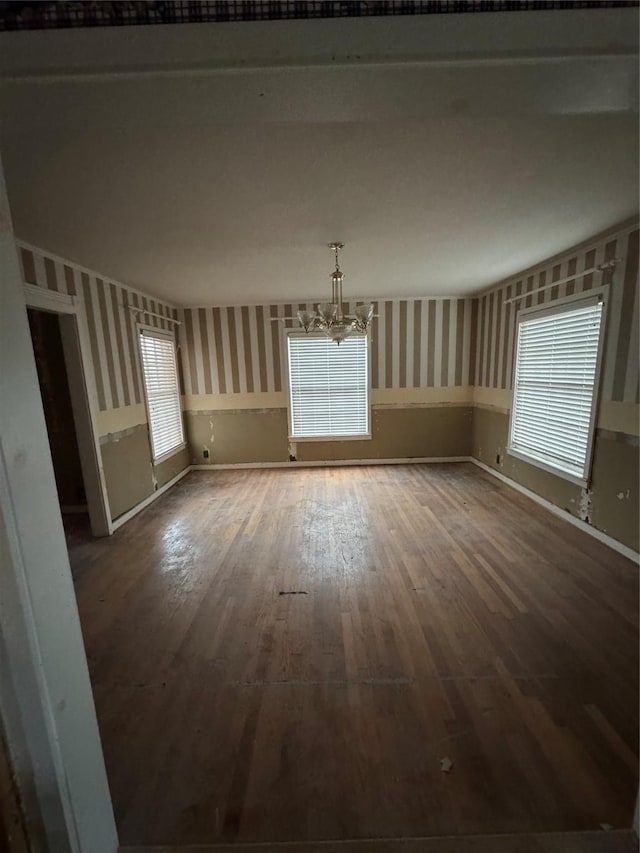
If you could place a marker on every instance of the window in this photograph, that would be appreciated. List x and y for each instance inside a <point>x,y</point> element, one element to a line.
<point>555,386</point>
<point>162,392</point>
<point>328,387</point>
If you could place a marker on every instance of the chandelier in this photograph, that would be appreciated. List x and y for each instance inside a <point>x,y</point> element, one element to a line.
<point>329,317</point>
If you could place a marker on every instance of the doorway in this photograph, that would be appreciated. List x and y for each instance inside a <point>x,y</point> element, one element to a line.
<point>57,338</point>
<point>58,413</point>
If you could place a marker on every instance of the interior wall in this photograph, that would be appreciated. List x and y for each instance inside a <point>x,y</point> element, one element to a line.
<point>441,376</point>
<point>611,503</point>
<point>130,474</point>
<point>234,362</point>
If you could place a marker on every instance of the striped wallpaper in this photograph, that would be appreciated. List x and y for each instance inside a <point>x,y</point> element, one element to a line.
<point>415,343</point>
<point>111,324</point>
<point>496,321</point>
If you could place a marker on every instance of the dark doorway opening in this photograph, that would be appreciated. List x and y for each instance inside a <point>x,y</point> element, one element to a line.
<point>53,379</point>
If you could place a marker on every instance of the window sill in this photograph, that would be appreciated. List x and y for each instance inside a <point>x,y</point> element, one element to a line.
<point>551,469</point>
<point>160,459</point>
<point>364,437</point>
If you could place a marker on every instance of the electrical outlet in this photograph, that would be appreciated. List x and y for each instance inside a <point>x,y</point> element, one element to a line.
<point>205,453</point>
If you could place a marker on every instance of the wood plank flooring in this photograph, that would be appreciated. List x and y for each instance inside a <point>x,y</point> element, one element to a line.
<point>616,841</point>
<point>437,613</point>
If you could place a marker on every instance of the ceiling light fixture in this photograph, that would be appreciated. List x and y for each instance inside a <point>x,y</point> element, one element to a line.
<point>329,317</point>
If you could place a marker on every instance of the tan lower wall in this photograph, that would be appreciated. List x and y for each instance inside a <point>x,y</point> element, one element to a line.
<point>128,470</point>
<point>260,435</point>
<point>615,507</point>
<point>610,505</point>
<point>401,433</point>
<point>237,435</point>
<point>171,467</point>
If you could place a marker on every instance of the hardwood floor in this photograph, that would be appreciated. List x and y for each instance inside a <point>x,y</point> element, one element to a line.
<point>438,614</point>
<point>617,841</point>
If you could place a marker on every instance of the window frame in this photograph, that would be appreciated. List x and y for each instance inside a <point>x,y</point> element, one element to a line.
<point>154,331</point>
<point>299,333</point>
<point>559,306</point>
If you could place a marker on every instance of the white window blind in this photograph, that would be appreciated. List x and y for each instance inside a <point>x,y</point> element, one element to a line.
<point>555,386</point>
<point>162,392</point>
<point>328,387</point>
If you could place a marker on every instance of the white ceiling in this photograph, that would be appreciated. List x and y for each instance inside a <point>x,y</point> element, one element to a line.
<point>211,164</point>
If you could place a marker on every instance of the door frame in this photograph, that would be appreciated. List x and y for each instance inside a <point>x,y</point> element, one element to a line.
<point>47,711</point>
<point>84,399</point>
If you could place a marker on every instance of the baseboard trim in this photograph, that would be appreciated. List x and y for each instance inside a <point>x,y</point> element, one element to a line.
<point>127,516</point>
<point>331,463</point>
<point>561,513</point>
